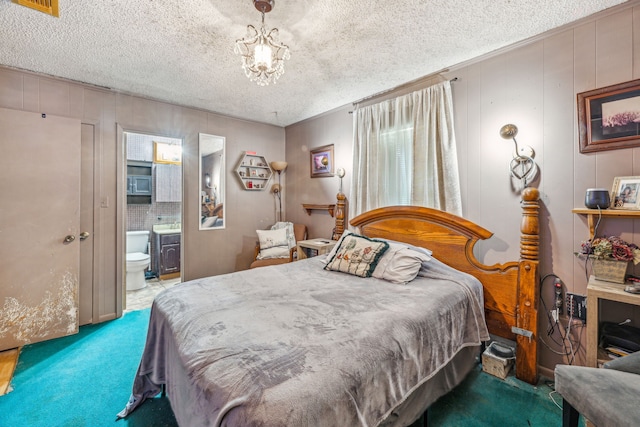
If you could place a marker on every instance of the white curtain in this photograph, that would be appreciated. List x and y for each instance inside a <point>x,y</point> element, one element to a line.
<point>404,153</point>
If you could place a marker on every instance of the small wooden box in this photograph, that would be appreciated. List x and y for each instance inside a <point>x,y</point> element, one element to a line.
<point>496,365</point>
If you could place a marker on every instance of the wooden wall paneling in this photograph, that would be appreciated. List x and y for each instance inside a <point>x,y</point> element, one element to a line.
<point>11,90</point>
<point>92,104</point>
<point>461,129</point>
<point>54,97</point>
<point>614,47</point>
<point>31,93</point>
<point>556,155</point>
<point>471,78</point>
<point>556,158</point>
<point>584,165</point>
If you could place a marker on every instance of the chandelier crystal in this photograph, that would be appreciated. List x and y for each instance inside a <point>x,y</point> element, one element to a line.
<point>262,54</point>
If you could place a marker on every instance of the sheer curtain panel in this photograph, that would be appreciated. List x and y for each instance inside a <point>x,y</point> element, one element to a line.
<point>404,153</point>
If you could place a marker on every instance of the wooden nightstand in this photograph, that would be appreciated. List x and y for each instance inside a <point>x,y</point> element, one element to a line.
<point>314,247</point>
<point>598,290</point>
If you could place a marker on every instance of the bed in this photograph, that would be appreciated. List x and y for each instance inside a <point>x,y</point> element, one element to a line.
<point>299,345</point>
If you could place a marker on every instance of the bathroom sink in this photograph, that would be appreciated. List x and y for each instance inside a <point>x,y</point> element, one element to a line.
<point>167,228</point>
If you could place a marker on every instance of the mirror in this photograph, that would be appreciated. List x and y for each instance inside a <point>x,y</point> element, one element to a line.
<point>211,150</point>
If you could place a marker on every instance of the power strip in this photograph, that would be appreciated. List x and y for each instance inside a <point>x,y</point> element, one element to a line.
<point>577,306</point>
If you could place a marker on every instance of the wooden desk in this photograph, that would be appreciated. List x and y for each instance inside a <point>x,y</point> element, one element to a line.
<point>598,290</point>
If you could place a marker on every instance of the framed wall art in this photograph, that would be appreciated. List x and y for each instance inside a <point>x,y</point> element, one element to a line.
<point>322,161</point>
<point>609,117</point>
<point>624,194</point>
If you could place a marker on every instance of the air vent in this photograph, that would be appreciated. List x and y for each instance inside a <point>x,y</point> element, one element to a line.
<point>50,7</point>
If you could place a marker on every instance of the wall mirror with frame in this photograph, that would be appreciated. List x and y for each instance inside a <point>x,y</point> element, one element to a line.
<point>212,185</point>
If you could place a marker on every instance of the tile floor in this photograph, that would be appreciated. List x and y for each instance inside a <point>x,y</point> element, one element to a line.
<point>142,298</point>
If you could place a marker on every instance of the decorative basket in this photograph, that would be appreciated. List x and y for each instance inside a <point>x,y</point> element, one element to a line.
<point>610,270</point>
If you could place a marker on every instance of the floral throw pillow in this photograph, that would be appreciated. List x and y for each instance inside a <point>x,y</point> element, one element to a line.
<point>357,255</point>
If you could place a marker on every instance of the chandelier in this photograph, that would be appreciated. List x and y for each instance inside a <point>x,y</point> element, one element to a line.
<point>262,55</point>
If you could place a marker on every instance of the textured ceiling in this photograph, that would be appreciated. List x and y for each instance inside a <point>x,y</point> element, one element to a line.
<point>181,51</point>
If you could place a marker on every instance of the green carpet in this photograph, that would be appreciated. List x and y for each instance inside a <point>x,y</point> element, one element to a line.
<point>85,380</point>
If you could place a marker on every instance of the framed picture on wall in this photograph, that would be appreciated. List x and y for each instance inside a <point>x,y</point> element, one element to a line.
<point>322,162</point>
<point>625,193</point>
<point>609,117</point>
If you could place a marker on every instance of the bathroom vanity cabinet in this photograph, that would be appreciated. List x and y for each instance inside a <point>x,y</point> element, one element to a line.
<point>167,255</point>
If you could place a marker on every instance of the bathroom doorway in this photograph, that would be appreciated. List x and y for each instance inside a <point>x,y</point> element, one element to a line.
<point>153,219</point>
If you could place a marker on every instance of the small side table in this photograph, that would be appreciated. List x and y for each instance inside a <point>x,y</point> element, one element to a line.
<point>314,247</point>
<point>598,290</point>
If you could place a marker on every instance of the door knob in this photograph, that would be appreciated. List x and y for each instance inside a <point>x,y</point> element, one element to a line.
<point>68,239</point>
<point>84,235</point>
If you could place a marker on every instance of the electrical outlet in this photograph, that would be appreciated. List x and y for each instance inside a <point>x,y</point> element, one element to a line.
<point>577,306</point>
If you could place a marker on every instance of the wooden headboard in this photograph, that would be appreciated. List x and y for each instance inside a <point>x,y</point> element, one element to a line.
<point>510,290</point>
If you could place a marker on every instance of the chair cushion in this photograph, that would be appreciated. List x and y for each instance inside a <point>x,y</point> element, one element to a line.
<point>605,396</point>
<point>267,262</point>
<point>630,363</point>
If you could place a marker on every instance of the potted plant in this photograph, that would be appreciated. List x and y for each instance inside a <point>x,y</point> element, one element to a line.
<point>610,256</point>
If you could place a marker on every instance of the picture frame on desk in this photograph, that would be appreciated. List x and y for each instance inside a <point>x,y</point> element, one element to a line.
<point>625,193</point>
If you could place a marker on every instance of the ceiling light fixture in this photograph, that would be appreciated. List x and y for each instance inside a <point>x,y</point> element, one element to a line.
<point>262,55</point>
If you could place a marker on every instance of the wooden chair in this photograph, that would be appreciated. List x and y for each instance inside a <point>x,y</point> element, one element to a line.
<point>299,230</point>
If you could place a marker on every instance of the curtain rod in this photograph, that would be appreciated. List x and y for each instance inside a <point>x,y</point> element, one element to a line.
<point>403,85</point>
<point>455,79</point>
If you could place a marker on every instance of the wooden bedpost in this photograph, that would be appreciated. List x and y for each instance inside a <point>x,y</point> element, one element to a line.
<point>529,295</point>
<point>340,216</point>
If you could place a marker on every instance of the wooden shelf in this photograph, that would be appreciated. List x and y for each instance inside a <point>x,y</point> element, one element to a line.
<point>310,207</point>
<point>593,214</point>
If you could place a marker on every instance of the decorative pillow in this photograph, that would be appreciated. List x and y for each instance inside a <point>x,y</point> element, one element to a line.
<point>400,264</point>
<point>357,255</point>
<point>273,243</point>
<point>333,250</point>
<point>271,238</point>
<point>291,236</point>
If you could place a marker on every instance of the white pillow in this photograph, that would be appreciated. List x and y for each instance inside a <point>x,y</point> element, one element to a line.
<point>291,237</point>
<point>270,238</point>
<point>400,263</point>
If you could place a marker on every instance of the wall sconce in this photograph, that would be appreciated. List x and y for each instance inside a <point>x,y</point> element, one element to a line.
<point>522,166</point>
<point>278,166</point>
<point>207,180</point>
<point>340,174</point>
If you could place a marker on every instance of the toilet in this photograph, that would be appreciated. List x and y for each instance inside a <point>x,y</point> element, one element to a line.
<point>138,259</point>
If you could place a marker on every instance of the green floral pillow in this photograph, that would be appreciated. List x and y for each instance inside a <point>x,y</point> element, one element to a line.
<point>357,255</point>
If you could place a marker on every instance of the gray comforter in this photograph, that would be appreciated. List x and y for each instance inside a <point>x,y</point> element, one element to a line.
<point>295,345</point>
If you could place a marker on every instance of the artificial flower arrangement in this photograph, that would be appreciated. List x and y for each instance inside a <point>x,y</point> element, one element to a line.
<point>611,248</point>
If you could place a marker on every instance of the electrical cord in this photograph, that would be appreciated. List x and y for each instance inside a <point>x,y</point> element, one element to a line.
<point>568,349</point>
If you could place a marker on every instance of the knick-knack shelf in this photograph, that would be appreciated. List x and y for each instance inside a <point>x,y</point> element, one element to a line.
<point>254,171</point>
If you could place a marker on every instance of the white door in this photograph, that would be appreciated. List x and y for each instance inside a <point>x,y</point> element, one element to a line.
<point>39,227</point>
